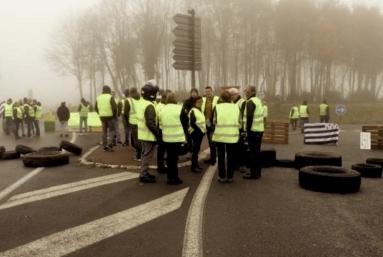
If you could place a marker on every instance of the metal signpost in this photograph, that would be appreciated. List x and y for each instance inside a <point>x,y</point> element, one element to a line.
<point>187,50</point>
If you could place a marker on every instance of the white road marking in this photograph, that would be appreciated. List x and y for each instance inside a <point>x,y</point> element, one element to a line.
<point>18,183</point>
<point>193,230</point>
<point>50,192</point>
<point>24,179</point>
<point>73,239</point>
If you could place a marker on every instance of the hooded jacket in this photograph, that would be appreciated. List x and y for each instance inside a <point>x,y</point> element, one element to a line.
<point>63,113</point>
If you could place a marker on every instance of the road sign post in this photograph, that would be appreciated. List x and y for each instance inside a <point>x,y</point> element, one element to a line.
<point>340,110</point>
<point>187,46</point>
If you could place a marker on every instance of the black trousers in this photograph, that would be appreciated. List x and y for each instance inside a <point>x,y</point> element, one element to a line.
<point>172,150</point>
<point>255,141</point>
<point>161,149</point>
<point>196,137</point>
<point>8,128</point>
<point>212,145</point>
<point>17,127</point>
<point>229,150</point>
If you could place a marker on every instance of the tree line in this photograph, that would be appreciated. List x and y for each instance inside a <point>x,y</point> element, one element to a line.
<point>290,49</point>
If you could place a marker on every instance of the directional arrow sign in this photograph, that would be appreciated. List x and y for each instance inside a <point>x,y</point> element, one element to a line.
<point>186,20</point>
<point>73,239</point>
<point>186,51</point>
<point>179,43</point>
<point>340,109</point>
<point>180,33</point>
<point>178,65</point>
<point>179,57</point>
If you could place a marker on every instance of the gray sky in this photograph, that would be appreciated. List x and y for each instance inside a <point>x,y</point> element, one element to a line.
<point>26,27</point>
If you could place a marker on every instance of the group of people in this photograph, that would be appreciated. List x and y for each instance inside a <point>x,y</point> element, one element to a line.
<point>302,112</point>
<point>21,113</point>
<point>229,122</point>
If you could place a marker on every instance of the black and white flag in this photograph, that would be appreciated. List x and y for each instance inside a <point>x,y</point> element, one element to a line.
<point>321,133</point>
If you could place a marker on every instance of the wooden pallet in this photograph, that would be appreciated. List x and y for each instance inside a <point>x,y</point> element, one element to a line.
<point>95,128</point>
<point>376,136</point>
<point>276,133</point>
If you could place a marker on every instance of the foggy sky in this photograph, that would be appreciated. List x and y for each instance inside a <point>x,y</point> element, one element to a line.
<point>26,27</point>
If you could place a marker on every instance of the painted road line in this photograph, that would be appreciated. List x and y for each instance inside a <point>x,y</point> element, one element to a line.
<point>50,192</point>
<point>18,183</point>
<point>73,239</point>
<point>24,179</point>
<point>193,230</point>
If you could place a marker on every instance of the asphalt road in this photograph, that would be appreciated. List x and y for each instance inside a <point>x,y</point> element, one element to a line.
<point>78,210</point>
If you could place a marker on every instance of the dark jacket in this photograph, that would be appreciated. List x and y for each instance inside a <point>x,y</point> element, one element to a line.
<point>63,113</point>
<point>193,124</point>
<point>150,121</point>
<point>250,108</point>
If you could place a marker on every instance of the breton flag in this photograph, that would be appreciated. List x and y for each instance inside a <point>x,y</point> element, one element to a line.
<point>2,102</point>
<point>321,133</point>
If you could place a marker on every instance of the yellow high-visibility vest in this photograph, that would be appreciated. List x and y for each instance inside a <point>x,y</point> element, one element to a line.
<point>143,131</point>
<point>227,127</point>
<point>104,106</point>
<point>170,121</point>
<point>200,120</point>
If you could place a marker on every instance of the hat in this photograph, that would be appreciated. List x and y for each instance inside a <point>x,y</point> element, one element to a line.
<point>106,89</point>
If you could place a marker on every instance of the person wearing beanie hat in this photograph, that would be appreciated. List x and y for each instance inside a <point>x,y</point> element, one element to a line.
<point>106,108</point>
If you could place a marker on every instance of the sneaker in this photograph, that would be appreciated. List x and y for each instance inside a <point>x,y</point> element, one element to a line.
<point>230,180</point>
<point>137,158</point>
<point>66,135</point>
<point>221,180</point>
<point>79,134</point>
<point>85,134</point>
<point>125,144</point>
<point>108,149</point>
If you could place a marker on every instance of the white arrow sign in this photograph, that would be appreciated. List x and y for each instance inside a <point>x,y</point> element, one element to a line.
<point>73,239</point>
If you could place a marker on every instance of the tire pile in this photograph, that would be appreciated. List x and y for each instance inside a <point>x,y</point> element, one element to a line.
<point>43,157</point>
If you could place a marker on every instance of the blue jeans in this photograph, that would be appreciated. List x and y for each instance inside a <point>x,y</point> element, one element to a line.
<point>36,122</point>
<point>111,126</point>
<point>255,141</point>
<point>84,124</point>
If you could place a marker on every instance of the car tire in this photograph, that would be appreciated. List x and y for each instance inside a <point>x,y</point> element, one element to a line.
<point>329,179</point>
<point>9,155</point>
<point>368,170</point>
<point>24,149</point>
<point>45,159</point>
<point>313,158</point>
<point>268,157</point>
<point>285,163</point>
<point>376,161</point>
<point>75,149</point>
<point>49,149</point>
<point>2,149</point>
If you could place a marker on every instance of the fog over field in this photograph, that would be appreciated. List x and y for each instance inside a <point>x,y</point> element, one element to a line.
<point>27,28</point>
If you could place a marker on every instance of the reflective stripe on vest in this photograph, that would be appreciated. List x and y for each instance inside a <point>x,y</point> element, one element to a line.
<point>303,111</point>
<point>132,112</point>
<point>170,121</point>
<point>104,106</point>
<point>38,112</point>
<point>84,110</point>
<point>213,103</point>
<point>323,109</point>
<point>200,120</point>
<point>19,113</point>
<point>227,127</point>
<point>295,114</point>
<point>8,110</point>
<point>143,131</point>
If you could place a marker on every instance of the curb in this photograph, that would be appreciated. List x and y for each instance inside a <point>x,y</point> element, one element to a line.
<point>83,161</point>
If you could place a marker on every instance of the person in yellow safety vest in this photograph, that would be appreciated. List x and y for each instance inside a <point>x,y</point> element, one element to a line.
<point>186,107</point>
<point>173,135</point>
<point>28,116</point>
<point>83,110</point>
<point>130,114</point>
<point>324,112</point>
<point>106,108</point>
<point>226,120</point>
<point>148,131</point>
<point>294,117</point>
<point>21,107</point>
<point>8,115</point>
<point>240,147</point>
<point>265,111</point>
<point>125,123</point>
<point>38,113</point>
<point>254,127</point>
<point>208,104</point>
<point>303,114</point>
<point>196,130</point>
<point>17,118</point>
<point>161,149</point>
